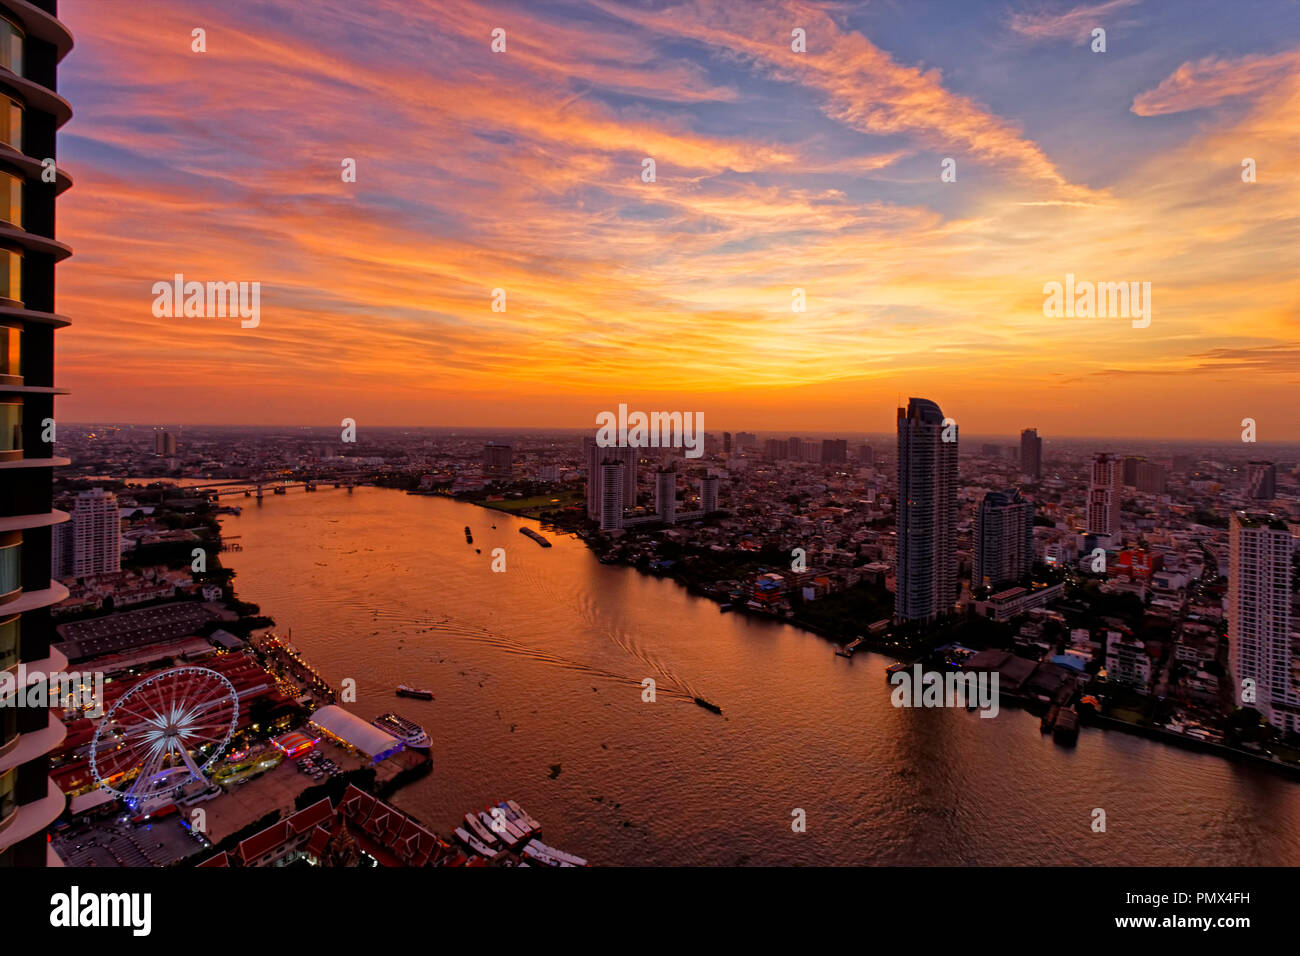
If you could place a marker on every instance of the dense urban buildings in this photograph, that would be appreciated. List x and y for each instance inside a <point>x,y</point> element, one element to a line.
<point>927,513</point>
<point>1259,616</point>
<point>1004,539</point>
<point>32,42</point>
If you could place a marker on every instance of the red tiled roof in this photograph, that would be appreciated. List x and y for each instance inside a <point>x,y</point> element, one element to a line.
<point>308,817</point>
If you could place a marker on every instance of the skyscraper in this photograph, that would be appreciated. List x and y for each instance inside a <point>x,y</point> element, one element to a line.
<point>726,442</point>
<point>1262,480</point>
<point>1259,616</point>
<point>164,444</point>
<point>1031,453</point>
<point>63,550</point>
<point>1104,496</point>
<point>96,534</point>
<point>32,42</point>
<point>709,493</point>
<point>595,457</point>
<point>1004,539</point>
<point>927,513</point>
<point>611,495</point>
<point>666,495</point>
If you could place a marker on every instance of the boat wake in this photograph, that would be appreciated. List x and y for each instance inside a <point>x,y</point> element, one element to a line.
<point>665,683</point>
<point>667,680</point>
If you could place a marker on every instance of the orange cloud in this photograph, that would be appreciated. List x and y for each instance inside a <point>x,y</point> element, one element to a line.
<point>1210,81</point>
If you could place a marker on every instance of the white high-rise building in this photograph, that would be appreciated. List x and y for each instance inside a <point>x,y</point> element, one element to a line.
<point>709,493</point>
<point>96,533</point>
<point>1104,496</point>
<point>611,495</point>
<point>1259,616</point>
<point>596,456</point>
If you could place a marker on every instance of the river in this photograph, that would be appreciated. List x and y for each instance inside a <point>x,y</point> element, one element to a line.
<point>537,674</point>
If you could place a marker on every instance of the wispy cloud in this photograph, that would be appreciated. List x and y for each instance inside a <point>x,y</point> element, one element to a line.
<point>1210,81</point>
<point>1072,24</point>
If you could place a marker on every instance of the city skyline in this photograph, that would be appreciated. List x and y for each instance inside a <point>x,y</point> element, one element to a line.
<point>775,171</point>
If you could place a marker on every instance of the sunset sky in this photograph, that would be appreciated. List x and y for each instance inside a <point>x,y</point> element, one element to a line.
<point>775,170</point>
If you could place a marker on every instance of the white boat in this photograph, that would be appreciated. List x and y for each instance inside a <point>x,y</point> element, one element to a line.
<point>407,731</point>
<point>549,856</point>
<point>515,818</point>
<point>501,832</point>
<point>533,825</point>
<point>501,821</point>
<point>474,844</point>
<point>566,859</point>
<point>476,827</point>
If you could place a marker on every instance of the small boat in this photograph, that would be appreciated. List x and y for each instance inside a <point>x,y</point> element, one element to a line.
<point>478,550</point>
<point>724,607</point>
<point>1066,731</point>
<point>419,693</point>
<point>517,819</point>
<point>407,731</point>
<point>533,824</point>
<point>483,833</point>
<point>501,821</point>
<point>550,856</point>
<point>501,832</point>
<point>474,844</point>
<point>708,705</point>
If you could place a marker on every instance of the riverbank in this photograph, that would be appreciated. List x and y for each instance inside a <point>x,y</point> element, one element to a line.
<point>1192,743</point>
<point>889,647</point>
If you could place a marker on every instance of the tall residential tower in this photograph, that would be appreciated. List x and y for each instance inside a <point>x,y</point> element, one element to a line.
<point>1259,616</point>
<point>927,513</point>
<point>32,42</point>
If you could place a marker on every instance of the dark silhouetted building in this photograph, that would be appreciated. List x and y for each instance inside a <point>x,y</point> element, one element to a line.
<point>32,42</point>
<point>1004,539</point>
<point>1031,453</point>
<point>497,460</point>
<point>1262,479</point>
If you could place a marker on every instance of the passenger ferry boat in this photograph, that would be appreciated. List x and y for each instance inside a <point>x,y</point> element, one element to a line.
<point>407,731</point>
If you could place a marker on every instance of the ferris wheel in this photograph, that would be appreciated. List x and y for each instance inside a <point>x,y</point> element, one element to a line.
<point>163,733</point>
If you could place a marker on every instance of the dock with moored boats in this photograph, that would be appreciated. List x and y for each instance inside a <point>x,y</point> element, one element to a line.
<point>507,828</point>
